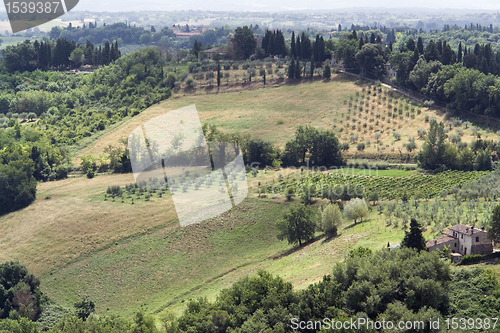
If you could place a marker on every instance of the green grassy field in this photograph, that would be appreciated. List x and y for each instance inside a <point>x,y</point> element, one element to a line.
<point>9,41</point>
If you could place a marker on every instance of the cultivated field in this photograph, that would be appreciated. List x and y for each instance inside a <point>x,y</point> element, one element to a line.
<point>273,113</point>
<point>126,256</point>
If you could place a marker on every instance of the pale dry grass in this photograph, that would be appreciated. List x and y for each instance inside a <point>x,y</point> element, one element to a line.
<point>52,232</point>
<point>254,112</point>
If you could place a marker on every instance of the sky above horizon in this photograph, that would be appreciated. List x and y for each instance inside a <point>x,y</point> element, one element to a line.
<point>277,5</point>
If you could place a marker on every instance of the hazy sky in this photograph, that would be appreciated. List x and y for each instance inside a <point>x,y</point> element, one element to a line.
<point>276,5</point>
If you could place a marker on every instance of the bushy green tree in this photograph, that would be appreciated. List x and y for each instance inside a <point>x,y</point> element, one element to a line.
<point>244,42</point>
<point>19,291</point>
<point>432,154</point>
<point>84,308</point>
<point>326,72</point>
<point>297,225</point>
<point>371,60</point>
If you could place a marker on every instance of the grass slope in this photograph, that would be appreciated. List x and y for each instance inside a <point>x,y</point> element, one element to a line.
<point>274,113</point>
<point>126,256</point>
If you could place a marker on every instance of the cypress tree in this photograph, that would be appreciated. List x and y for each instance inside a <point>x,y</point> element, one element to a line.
<point>312,67</point>
<point>420,45</point>
<point>218,70</point>
<point>321,50</point>
<point>414,58</point>
<point>293,52</point>
<point>298,48</point>
<point>298,68</point>
<point>459,58</point>
<point>361,43</point>
<point>414,238</point>
<point>291,69</point>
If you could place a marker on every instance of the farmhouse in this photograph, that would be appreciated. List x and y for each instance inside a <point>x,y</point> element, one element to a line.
<point>462,240</point>
<point>335,63</point>
<point>390,72</point>
<point>210,52</point>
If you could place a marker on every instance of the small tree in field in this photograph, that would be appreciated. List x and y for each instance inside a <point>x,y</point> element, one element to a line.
<point>493,228</point>
<point>414,238</point>
<point>297,225</point>
<point>331,219</point>
<point>84,308</point>
<point>355,209</point>
<point>373,197</point>
<point>327,72</point>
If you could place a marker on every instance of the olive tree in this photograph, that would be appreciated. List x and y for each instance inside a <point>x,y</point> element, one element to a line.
<point>355,209</point>
<point>331,219</point>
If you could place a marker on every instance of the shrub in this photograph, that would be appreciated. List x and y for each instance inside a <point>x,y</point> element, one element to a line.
<point>331,219</point>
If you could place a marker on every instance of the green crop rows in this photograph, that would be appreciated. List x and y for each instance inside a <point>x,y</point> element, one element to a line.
<point>425,186</point>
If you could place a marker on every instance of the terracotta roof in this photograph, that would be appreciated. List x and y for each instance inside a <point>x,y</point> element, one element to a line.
<point>187,33</point>
<point>214,49</point>
<point>440,240</point>
<point>464,229</point>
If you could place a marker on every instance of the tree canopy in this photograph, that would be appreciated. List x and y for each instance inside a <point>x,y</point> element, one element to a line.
<point>297,224</point>
<point>414,238</point>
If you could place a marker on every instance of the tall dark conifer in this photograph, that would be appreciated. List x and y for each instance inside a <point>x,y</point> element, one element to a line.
<point>361,43</point>
<point>420,45</point>
<point>298,47</point>
<point>291,69</point>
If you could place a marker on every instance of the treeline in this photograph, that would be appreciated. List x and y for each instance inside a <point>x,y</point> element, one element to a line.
<point>302,48</point>
<point>114,32</point>
<point>310,146</point>
<point>71,107</point>
<point>467,79</point>
<point>437,153</point>
<point>455,35</point>
<point>390,285</point>
<point>394,285</point>
<point>365,55</point>
<point>60,53</point>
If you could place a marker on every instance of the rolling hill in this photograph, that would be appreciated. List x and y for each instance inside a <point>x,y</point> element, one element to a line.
<point>127,257</point>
